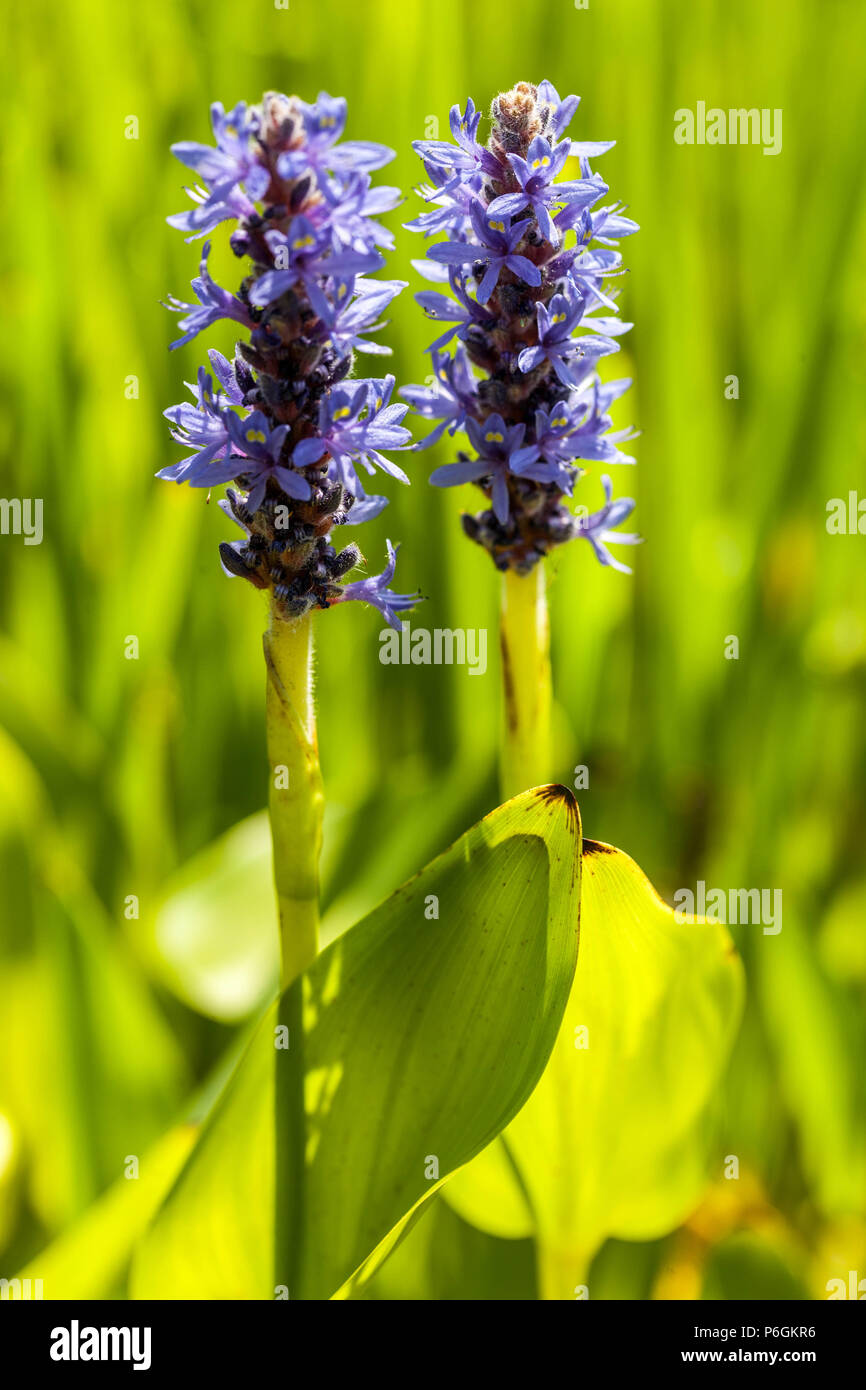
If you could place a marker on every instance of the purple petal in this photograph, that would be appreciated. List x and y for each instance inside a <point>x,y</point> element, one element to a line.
<point>308,451</point>
<point>500,498</point>
<point>452,474</point>
<point>509,204</point>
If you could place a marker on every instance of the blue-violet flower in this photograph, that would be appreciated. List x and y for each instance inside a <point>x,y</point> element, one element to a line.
<point>526,258</point>
<point>285,421</point>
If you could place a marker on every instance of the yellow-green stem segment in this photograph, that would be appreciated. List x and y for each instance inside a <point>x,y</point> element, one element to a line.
<point>562,1274</point>
<point>525,638</point>
<point>296,799</point>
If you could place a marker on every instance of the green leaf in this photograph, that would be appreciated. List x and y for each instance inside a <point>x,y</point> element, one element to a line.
<point>102,1075</point>
<point>415,1037</point>
<point>445,1259</point>
<point>760,1267</point>
<point>88,1260</point>
<point>213,941</point>
<point>806,1016</point>
<point>610,1143</point>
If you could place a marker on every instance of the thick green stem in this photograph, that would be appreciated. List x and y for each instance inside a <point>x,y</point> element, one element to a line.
<point>562,1274</point>
<point>296,797</point>
<point>525,636</point>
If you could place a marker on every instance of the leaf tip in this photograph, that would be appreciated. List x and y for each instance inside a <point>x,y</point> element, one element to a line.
<point>591,847</point>
<point>555,792</point>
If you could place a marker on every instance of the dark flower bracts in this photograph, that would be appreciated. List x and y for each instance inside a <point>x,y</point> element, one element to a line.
<point>525,267</point>
<point>286,421</point>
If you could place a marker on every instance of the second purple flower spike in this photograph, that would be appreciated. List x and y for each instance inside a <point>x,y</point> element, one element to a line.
<point>527,257</point>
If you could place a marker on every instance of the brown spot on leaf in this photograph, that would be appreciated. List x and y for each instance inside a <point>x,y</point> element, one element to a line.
<point>597,847</point>
<point>556,792</point>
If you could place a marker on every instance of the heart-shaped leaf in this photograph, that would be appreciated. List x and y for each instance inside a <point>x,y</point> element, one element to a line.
<point>414,1038</point>
<point>610,1143</point>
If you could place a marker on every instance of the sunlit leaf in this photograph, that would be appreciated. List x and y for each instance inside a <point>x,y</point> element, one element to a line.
<point>89,1259</point>
<point>9,1166</point>
<point>444,1258</point>
<point>213,940</point>
<point>424,1029</point>
<point>610,1142</point>
<point>101,1075</point>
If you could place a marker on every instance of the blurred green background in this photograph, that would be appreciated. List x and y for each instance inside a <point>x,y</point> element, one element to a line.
<point>136,932</point>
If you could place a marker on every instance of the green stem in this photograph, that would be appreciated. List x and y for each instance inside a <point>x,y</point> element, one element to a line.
<point>525,637</point>
<point>560,1273</point>
<point>296,799</point>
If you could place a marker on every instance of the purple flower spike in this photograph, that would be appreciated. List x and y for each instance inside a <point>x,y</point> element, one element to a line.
<point>495,249</point>
<point>214,304</point>
<point>561,111</point>
<point>556,346</point>
<point>465,156</point>
<point>202,427</point>
<point>536,174</point>
<point>257,455</point>
<point>529,258</point>
<point>495,443</point>
<point>599,527</point>
<point>462,311</point>
<point>304,255</point>
<point>356,306</point>
<point>286,421</point>
<point>323,123</point>
<point>236,160</point>
<point>375,591</point>
<point>355,423</point>
<point>450,399</point>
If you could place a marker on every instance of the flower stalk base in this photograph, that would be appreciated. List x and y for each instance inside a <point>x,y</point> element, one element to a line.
<point>562,1274</point>
<point>525,640</point>
<point>296,799</point>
